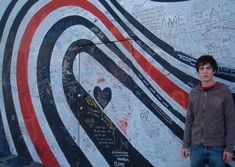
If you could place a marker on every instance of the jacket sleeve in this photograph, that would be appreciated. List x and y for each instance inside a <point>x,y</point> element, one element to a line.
<point>188,125</point>
<point>229,113</point>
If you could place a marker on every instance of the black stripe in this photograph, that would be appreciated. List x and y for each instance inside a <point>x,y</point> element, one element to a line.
<point>6,16</point>
<point>20,145</point>
<point>72,152</point>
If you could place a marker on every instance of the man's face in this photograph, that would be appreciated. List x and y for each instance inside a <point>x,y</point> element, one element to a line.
<point>206,73</point>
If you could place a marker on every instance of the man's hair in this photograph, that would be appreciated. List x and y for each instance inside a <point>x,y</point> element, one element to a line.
<point>204,59</point>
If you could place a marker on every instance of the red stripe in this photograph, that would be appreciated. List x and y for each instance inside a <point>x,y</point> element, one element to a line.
<point>31,122</point>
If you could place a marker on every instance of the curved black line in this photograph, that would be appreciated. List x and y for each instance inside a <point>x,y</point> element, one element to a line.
<point>17,138</point>
<point>6,16</point>
<point>86,110</point>
<point>223,72</point>
<point>72,152</point>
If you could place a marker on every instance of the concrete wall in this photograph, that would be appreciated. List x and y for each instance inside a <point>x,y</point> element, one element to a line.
<point>105,83</point>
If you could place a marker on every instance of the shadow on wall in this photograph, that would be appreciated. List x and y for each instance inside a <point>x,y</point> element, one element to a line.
<point>6,158</point>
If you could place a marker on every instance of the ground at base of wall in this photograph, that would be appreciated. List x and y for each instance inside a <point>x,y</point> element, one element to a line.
<point>14,161</point>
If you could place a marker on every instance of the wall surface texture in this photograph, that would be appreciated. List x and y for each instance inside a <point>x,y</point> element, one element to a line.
<point>105,82</point>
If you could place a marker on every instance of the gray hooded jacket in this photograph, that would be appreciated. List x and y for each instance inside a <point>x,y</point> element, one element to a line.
<point>210,119</point>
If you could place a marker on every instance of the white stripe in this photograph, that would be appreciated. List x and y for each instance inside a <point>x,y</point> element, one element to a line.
<point>18,38</point>
<point>6,31</point>
<point>66,115</point>
<point>33,85</point>
<point>3,7</point>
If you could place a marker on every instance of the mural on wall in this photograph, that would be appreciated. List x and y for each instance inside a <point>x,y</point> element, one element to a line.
<point>105,83</point>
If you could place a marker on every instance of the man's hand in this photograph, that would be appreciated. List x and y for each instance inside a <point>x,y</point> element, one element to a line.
<point>227,156</point>
<point>185,152</point>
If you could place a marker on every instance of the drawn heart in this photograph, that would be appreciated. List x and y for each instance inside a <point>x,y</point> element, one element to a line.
<point>103,97</point>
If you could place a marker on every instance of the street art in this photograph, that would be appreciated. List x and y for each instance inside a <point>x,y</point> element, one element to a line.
<point>105,83</point>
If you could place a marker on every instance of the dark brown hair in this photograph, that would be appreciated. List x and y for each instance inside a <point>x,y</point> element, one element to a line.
<point>204,59</point>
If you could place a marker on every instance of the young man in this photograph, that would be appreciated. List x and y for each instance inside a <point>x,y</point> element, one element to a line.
<point>210,122</point>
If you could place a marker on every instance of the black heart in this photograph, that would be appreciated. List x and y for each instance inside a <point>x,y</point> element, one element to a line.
<point>103,97</point>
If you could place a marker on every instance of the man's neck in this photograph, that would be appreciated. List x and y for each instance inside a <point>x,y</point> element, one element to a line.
<point>208,84</point>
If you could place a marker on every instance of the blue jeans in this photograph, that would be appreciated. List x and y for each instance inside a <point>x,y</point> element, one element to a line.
<point>202,155</point>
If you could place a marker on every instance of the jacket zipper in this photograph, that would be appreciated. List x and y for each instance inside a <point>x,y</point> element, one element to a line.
<point>203,113</point>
